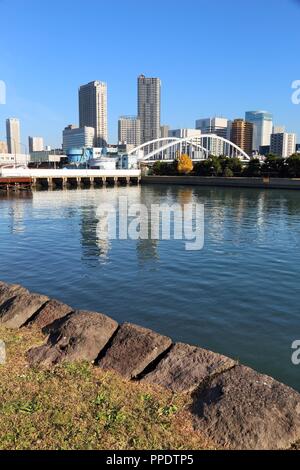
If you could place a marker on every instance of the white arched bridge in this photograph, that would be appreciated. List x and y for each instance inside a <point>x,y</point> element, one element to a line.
<point>198,148</point>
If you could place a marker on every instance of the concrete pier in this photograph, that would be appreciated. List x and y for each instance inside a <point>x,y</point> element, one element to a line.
<point>53,179</point>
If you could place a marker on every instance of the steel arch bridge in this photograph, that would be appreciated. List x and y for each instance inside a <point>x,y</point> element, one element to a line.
<point>198,148</point>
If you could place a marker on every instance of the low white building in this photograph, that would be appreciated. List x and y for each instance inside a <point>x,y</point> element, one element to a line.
<point>14,159</point>
<point>78,137</point>
<point>103,163</point>
<point>128,162</point>
<point>47,156</point>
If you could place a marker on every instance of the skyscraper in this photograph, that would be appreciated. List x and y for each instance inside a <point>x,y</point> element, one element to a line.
<point>262,127</point>
<point>93,110</point>
<point>36,144</point>
<point>149,93</point>
<point>242,135</point>
<point>129,130</point>
<point>13,135</point>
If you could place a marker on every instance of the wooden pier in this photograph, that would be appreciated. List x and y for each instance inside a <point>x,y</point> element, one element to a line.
<point>15,184</point>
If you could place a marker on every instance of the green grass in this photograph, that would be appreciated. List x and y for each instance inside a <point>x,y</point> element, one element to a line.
<point>78,406</point>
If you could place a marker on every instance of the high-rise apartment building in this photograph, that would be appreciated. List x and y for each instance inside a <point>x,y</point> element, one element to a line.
<point>217,126</point>
<point>36,144</point>
<point>13,135</point>
<point>283,144</point>
<point>78,137</point>
<point>93,110</point>
<point>242,135</point>
<point>262,127</point>
<point>190,135</point>
<point>194,134</point>
<point>129,130</point>
<point>149,107</point>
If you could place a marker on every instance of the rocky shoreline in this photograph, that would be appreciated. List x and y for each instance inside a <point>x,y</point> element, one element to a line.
<point>233,405</point>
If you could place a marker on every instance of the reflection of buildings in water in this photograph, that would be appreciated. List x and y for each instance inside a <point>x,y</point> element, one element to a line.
<point>88,227</point>
<point>102,236</point>
<point>95,220</point>
<point>17,218</point>
<point>16,209</point>
<point>147,250</point>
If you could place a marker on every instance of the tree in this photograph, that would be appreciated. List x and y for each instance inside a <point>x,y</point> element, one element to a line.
<point>203,168</point>
<point>235,165</point>
<point>253,169</point>
<point>293,166</point>
<point>228,173</point>
<point>185,164</point>
<point>164,169</point>
<point>274,166</point>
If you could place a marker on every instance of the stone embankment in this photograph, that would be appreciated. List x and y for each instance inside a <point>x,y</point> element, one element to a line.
<point>234,182</point>
<point>232,405</point>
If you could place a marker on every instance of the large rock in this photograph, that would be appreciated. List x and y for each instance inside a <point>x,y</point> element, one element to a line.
<point>245,410</point>
<point>186,367</point>
<point>7,291</point>
<point>50,314</point>
<point>133,349</point>
<point>19,309</point>
<point>81,337</point>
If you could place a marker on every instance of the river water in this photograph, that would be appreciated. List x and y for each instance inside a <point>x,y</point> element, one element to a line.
<point>239,295</point>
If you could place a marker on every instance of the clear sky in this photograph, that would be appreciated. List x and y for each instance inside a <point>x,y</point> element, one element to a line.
<point>214,58</point>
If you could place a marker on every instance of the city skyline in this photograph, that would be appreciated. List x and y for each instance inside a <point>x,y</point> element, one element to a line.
<point>146,125</point>
<point>42,85</point>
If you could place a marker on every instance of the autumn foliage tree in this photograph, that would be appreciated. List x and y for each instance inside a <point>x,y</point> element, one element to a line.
<point>185,164</point>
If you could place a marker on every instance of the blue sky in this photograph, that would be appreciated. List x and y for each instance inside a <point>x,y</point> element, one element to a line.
<point>214,58</point>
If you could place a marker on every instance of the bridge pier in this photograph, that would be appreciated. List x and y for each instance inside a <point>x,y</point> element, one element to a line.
<point>50,183</point>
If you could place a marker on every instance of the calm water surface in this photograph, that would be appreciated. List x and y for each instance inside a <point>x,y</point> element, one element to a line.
<point>238,296</point>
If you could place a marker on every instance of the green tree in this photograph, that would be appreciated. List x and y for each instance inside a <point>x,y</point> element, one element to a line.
<point>293,166</point>
<point>228,173</point>
<point>274,166</point>
<point>164,169</point>
<point>253,169</point>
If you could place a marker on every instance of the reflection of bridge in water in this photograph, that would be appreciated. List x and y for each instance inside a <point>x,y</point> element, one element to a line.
<point>198,148</point>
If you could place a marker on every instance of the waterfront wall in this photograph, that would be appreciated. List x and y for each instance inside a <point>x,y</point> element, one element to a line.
<point>235,182</point>
<point>233,405</point>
